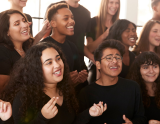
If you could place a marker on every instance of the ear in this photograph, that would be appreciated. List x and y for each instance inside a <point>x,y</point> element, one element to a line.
<point>53,23</point>
<point>98,65</point>
<point>8,33</point>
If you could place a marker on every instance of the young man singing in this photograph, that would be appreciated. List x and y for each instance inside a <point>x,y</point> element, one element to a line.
<point>122,96</point>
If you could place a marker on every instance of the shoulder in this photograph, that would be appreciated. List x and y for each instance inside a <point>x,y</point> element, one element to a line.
<point>88,89</point>
<point>128,83</point>
<point>4,49</point>
<point>48,39</point>
<point>84,9</point>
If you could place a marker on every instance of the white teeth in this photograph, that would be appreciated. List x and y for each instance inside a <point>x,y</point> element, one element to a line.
<point>24,31</point>
<point>58,72</point>
<point>70,27</point>
<point>113,67</point>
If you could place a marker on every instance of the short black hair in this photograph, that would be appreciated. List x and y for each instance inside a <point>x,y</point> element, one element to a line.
<point>111,43</point>
<point>116,30</point>
<point>54,8</point>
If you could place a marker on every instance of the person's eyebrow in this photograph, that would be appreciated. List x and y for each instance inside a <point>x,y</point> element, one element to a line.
<point>47,60</point>
<point>118,54</point>
<point>57,56</point>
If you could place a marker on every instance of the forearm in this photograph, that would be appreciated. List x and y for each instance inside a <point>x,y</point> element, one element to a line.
<point>88,54</point>
<point>93,45</point>
<point>38,37</point>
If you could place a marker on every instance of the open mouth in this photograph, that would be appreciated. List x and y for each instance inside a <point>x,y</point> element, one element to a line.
<point>132,39</point>
<point>70,27</point>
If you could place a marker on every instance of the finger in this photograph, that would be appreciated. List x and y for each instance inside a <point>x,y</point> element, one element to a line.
<point>105,107</point>
<point>0,106</point>
<point>4,107</point>
<point>49,103</point>
<point>54,108</point>
<point>101,106</point>
<point>53,103</point>
<point>98,109</point>
<point>55,113</point>
<point>125,119</point>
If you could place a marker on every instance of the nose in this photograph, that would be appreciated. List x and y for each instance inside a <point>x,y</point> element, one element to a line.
<point>114,60</point>
<point>72,21</point>
<point>25,24</point>
<point>151,69</point>
<point>56,65</point>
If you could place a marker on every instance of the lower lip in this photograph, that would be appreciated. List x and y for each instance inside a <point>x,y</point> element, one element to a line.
<point>71,29</point>
<point>114,69</point>
<point>58,74</point>
<point>25,33</point>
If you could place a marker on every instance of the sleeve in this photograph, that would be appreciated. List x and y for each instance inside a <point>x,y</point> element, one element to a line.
<point>9,121</point>
<point>30,116</point>
<point>91,28</point>
<point>83,117</point>
<point>139,117</point>
<point>5,62</point>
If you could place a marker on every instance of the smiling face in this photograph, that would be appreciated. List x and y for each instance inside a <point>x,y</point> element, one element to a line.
<point>113,68</point>
<point>129,36</point>
<point>63,22</point>
<point>18,3</point>
<point>113,6</point>
<point>149,73</point>
<point>154,35</point>
<point>18,29</point>
<point>52,66</point>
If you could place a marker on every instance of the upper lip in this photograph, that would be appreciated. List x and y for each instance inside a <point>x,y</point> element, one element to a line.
<point>57,70</point>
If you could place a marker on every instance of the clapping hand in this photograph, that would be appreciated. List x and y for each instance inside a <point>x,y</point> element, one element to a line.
<point>127,121</point>
<point>5,110</point>
<point>49,110</point>
<point>97,109</point>
<point>154,122</point>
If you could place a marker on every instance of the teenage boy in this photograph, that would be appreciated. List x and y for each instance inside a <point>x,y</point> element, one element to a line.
<point>122,96</point>
<point>81,17</point>
<point>62,23</point>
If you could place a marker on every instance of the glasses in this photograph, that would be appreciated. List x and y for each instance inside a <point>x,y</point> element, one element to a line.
<point>109,58</point>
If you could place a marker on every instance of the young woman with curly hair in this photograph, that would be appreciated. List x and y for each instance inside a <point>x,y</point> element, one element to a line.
<point>149,39</point>
<point>41,91</point>
<point>145,71</point>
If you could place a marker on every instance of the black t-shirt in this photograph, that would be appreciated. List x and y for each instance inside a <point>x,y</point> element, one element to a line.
<point>122,98</point>
<point>70,51</point>
<point>81,17</point>
<point>7,59</point>
<point>152,112</point>
<point>125,68</point>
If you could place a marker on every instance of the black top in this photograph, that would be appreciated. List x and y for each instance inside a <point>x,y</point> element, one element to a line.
<point>35,116</point>
<point>30,20</point>
<point>81,17</point>
<point>122,98</point>
<point>125,68</point>
<point>7,59</point>
<point>70,51</point>
<point>152,112</point>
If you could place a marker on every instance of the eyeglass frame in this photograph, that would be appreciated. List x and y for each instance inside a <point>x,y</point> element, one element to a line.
<point>113,57</point>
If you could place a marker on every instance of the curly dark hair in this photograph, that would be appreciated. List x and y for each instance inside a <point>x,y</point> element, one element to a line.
<point>134,74</point>
<point>116,30</point>
<point>5,24</point>
<point>27,78</point>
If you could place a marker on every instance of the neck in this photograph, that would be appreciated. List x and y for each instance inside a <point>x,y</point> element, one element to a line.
<point>51,90</point>
<point>72,4</point>
<point>16,8</point>
<point>18,46</point>
<point>156,17</point>
<point>107,80</point>
<point>151,88</point>
<point>58,37</point>
<point>151,48</point>
<point>126,49</point>
<point>108,21</point>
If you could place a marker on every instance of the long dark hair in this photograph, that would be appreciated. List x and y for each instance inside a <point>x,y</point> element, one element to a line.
<point>134,74</point>
<point>27,78</point>
<point>116,30</point>
<point>4,27</point>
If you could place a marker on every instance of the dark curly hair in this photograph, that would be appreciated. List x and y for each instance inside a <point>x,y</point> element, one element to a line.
<point>116,30</point>
<point>134,74</point>
<point>27,78</point>
<point>5,24</point>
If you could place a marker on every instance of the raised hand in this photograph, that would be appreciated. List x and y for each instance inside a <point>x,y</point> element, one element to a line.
<point>127,121</point>
<point>97,109</point>
<point>74,76</point>
<point>46,27</point>
<point>153,122</point>
<point>5,110</point>
<point>49,110</point>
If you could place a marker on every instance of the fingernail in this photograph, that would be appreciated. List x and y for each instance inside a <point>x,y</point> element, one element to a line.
<point>57,97</point>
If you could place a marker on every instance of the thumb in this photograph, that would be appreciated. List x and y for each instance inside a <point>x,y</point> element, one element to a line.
<point>29,23</point>
<point>125,119</point>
